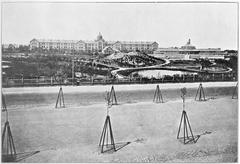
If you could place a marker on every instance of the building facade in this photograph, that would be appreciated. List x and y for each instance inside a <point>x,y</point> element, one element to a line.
<point>190,51</point>
<point>92,46</point>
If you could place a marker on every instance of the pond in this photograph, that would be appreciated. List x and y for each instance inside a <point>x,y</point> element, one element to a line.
<point>162,73</point>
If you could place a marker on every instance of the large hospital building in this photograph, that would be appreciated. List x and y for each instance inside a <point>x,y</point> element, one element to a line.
<point>91,46</point>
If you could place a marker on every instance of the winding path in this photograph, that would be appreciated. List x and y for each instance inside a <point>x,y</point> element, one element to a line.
<point>163,67</point>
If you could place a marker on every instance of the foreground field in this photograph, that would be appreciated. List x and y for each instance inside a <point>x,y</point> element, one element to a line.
<point>72,134</point>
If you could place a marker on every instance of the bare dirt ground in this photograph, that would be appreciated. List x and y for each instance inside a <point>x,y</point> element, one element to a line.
<point>102,88</point>
<point>72,134</point>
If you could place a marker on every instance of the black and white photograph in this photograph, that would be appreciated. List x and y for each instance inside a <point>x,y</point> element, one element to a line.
<point>119,81</point>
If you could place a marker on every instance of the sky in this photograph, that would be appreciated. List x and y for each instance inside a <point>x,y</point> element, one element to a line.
<point>208,25</point>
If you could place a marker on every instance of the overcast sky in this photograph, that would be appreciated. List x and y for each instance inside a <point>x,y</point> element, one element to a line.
<point>170,24</point>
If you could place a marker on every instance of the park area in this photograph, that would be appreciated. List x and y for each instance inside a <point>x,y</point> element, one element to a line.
<point>143,131</point>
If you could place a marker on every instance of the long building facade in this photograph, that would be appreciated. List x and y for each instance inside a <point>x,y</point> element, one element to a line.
<point>92,46</point>
<point>188,51</point>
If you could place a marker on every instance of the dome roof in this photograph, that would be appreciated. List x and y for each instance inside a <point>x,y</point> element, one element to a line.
<point>99,37</point>
<point>188,45</point>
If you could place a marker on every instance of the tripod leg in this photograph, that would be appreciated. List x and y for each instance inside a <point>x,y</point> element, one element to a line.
<point>103,139</point>
<point>63,99</point>
<point>111,134</point>
<point>57,100</point>
<point>111,96</point>
<point>157,97</point>
<point>60,98</point>
<point>107,136</point>
<point>233,93</point>
<point>203,95</point>
<point>115,98</point>
<point>111,92</point>
<point>3,135</point>
<point>112,142</point>
<point>190,129</point>
<point>154,95</point>
<point>179,127</point>
<point>235,90</point>
<point>184,126</point>
<point>197,93</point>
<point>200,95</point>
<point>9,140</point>
<point>158,94</point>
<point>103,131</point>
<point>11,137</point>
<point>161,97</point>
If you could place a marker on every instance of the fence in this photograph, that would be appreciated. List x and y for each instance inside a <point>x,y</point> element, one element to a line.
<point>49,81</point>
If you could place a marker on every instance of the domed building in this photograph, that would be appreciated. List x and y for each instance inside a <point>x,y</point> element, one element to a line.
<point>188,51</point>
<point>92,46</point>
<point>188,46</point>
<point>99,37</point>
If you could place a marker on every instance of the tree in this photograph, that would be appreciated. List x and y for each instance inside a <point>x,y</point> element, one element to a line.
<point>23,48</point>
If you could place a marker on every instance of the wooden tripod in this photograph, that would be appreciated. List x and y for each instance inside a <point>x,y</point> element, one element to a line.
<point>186,126</point>
<point>235,94</point>
<point>113,98</point>
<point>158,95</point>
<point>200,93</point>
<point>107,133</point>
<point>8,147</point>
<point>60,99</point>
